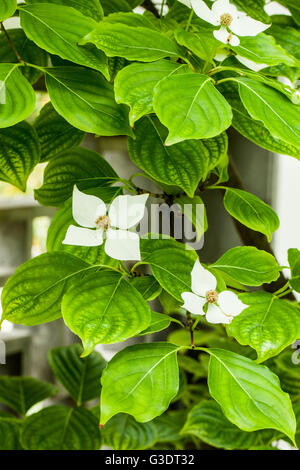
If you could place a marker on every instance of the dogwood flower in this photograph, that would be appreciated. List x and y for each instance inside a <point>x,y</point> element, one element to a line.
<point>232,22</point>
<point>97,225</point>
<point>221,308</point>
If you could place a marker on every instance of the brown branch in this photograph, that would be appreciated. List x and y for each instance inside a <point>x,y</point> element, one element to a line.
<point>149,5</point>
<point>190,324</point>
<point>11,43</point>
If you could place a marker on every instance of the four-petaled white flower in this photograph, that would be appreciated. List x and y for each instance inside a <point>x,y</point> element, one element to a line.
<point>233,22</point>
<point>98,225</point>
<point>221,308</point>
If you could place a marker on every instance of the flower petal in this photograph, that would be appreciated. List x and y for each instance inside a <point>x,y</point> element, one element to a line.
<point>122,245</point>
<point>215,315</point>
<point>187,3</point>
<point>202,10</point>
<point>230,303</point>
<point>202,280</point>
<point>250,64</point>
<point>193,303</point>
<point>220,7</point>
<point>83,236</point>
<point>246,26</point>
<point>222,35</point>
<point>127,211</point>
<point>234,41</point>
<point>87,208</point>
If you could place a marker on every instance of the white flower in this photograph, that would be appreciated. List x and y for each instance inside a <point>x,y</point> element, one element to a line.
<point>124,213</point>
<point>250,64</point>
<point>231,20</point>
<point>187,3</point>
<point>221,308</point>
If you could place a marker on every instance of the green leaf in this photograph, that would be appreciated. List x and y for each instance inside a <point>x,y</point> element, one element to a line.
<point>248,265</point>
<point>32,296</point>
<point>29,52</point>
<point>249,394</point>
<point>145,371</point>
<point>80,376</point>
<point>91,8</point>
<point>286,366</point>
<point>134,85</point>
<point>253,8</point>
<point>251,211</point>
<point>104,308</point>
<point>111,6</point>
<point>207,422</point>
<point>17,98</point>
<point>194,210</point>
<point>133,43</point>
<point>131,19</point>
<point>79,166</point>
<point>122,432</point>
<point>19,154</point>
<point>10,430</point>
<point>279,115</point>
<point>294,262</point>
<point>268,325</point>
<point>56,135</point>
<point>190,107</point>
<point>183,164</point>
<point>21,393</point>
<point>58,29</point>
<point>169,425</point>
<point>86,100</point>
<point>297,414</point>
<point>287,37</point>
<point>61,428</point>
<point>202,43</point>
<point>147,286</point>
<point>159,322</point>
<point>7,9</point>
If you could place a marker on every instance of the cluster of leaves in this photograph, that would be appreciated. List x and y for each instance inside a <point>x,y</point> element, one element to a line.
<point>109,72</point>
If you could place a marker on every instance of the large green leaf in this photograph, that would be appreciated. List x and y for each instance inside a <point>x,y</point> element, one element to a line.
<point>10,430</point>
<point>21,393</point>
<point>183,164</point>
<point>33,294</point>
<point>279,115</point>
<point>28,51</point>
<point>207,422</point>
<point>7,9</point>
<point>17,98</point>
<point>251,211</point>
<point>133,43</point>
<point>61,428</point>
<point>145,371</point>
<point>80,376</point>
<point>122,432</point>
<point>248,265</point>
<point>19,153</point>
<point>159,322</point>
<point>90,8</point>
<point>249,394</point>
<point>86,100</point>
<point>268,325</point>
<point>287,37</point>
<point>56,135</point>
<point>104,308</point>
<point>202,43</point>
<point>134,85</point>
<point>79,166</point>
<point>58,29</point>
<point>190,107</point>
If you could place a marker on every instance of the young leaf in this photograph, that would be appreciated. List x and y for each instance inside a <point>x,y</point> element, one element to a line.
<point>133,43</point>
<point>7,9</point>
<point>91,8</point>
<point>249,394</point>
<point>147,286</point>
<point>122,432</point>
<point>202,43</point>
<point>56,135</point>
<point>248,265</point>
<point>61,428</point>
<point>268,325</point>
<point>104,308</point>
<point>190,107</point>
<point>294,262</point>
<point>58,29</point>
<point>183,164</point>
<point>21,393</point>
<point>10,433</point>
<point>145,371</point>
<point>86,100</point>
<point>17,98</point>
<point>79,166</point>
<point>19,153</point>
<point>159,322</point>
<point>251,211</point>
<point>80,376</point>
<point>33,294</point>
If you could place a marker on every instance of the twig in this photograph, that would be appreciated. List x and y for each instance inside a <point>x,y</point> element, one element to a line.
<point>11,43</point>
<point>190,326</point>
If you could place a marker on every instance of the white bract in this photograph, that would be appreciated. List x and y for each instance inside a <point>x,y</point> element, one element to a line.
<point>99,225</point>
<point>250,64</point>
<point>232,22</point>
<point>221,308</point>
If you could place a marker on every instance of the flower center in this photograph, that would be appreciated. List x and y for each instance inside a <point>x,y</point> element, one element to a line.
<point>211,296</point>
<point>226,19</point>
<point>103,222</point>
